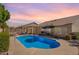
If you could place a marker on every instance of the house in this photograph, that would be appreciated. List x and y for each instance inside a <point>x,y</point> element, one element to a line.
<point>63,26</point>
<point>12,31</point>
<point>31,28</point>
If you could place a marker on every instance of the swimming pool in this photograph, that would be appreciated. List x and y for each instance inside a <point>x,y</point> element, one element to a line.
<point>36,41</point>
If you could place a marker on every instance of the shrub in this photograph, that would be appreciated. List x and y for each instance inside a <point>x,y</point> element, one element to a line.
<point>77,35</point>
<point>4,41</point>
<point>67,37</point>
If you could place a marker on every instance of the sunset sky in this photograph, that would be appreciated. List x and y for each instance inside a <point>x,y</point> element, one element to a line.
<point>38,12</point>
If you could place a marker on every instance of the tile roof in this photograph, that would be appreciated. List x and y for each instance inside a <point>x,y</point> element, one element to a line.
<point>61,21</point>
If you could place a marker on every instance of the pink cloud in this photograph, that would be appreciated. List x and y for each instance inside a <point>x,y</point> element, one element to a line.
<point>43,16</point>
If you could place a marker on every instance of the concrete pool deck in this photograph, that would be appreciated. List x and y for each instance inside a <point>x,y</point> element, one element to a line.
<point>16,48</point>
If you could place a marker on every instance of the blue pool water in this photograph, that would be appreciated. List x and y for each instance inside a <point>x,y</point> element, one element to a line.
<point>35,41</point>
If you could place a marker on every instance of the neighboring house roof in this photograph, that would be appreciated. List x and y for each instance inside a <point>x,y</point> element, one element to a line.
<point>61,21</point>
<point>29,24</point>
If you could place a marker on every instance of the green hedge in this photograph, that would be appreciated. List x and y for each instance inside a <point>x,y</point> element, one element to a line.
<point>77,35</point>
<point>4,41</point>
<point>67,37</point>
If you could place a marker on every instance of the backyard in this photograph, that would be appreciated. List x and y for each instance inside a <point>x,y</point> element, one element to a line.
<point>60,37</point>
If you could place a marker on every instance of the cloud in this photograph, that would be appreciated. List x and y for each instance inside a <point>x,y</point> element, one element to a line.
<point>41,12</point>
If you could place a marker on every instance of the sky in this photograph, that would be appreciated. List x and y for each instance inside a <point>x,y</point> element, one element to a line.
<point>23,13</point>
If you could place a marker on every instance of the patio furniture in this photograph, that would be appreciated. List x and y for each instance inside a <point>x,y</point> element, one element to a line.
<point>75,43</point>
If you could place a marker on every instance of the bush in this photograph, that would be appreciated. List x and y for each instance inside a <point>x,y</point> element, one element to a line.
<point>77,35</point>
<point>67,37</point>
<point>4,41</point>
<point>74,36</point>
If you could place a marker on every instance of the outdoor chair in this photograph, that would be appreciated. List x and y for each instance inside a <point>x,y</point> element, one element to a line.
<point>74,42</point>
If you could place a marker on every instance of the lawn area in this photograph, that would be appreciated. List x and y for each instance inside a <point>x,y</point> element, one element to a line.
<point>4,41</point>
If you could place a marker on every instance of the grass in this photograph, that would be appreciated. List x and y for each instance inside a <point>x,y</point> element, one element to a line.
<point>4,41</point>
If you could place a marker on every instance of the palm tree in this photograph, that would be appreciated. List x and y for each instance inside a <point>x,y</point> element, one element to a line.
<point>4,16</point>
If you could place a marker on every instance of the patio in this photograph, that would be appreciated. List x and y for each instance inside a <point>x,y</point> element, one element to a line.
<point>16,48</point>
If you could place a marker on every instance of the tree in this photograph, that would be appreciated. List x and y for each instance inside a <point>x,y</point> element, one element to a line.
<point>4,16</point>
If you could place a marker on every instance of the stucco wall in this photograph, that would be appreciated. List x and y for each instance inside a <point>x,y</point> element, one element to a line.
<point>75,26</point>
<point>57,30</point>
<point>63,30</point>
<point>31,28</point>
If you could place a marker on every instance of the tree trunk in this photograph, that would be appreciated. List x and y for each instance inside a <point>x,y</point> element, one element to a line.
<point>3,30</point>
